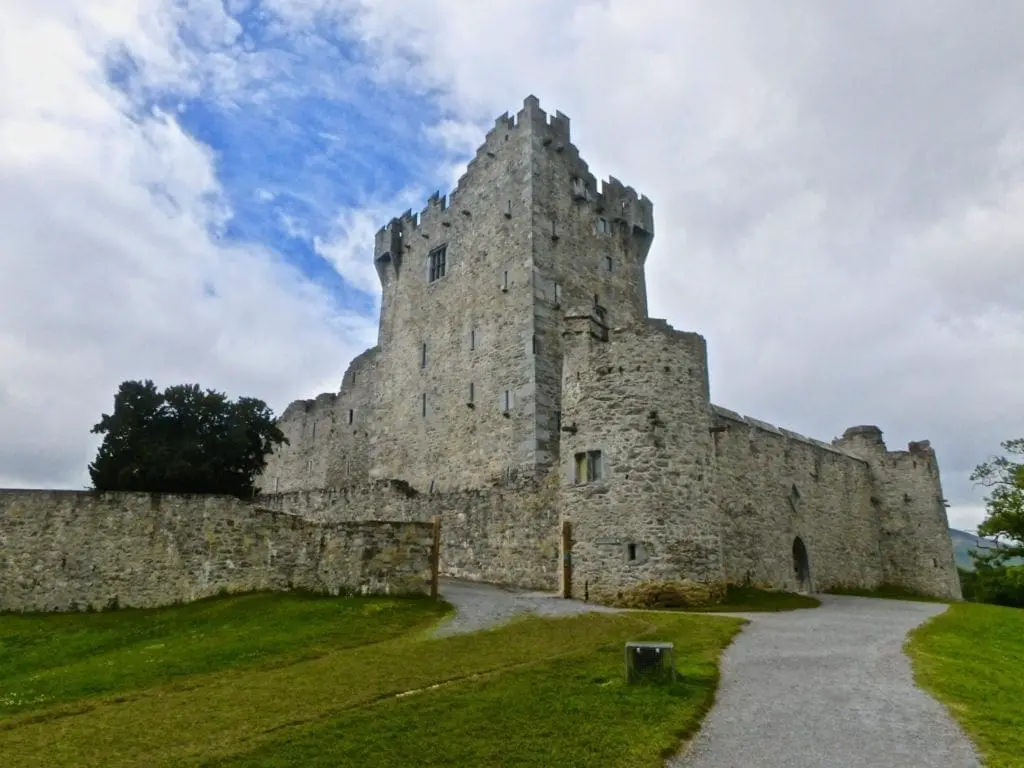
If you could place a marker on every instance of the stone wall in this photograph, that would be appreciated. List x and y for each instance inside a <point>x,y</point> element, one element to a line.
<point>454,346</point>
<point>328,438</point>
<point>498,535</point>
<point>913,529</point>
<point>641,400</point>
<point>775,486</point>
<point>69,550</point>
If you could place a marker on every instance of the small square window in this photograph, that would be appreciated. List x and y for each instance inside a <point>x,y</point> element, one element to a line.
<point>438,259</point>
<point>588,467</point>
<point>604,227</point>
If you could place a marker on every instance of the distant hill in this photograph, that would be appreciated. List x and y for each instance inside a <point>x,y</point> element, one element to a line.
<point>964,543</point>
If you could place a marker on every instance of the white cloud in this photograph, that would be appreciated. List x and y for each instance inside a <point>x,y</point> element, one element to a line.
<point>836,187</point>
<point>107,252</point>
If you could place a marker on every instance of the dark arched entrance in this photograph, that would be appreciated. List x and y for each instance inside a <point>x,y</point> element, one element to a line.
<point>801,566</point>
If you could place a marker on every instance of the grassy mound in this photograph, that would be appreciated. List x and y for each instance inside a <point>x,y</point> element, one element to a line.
<point>887,592</point>
<point>696,596</point>
<point>971,657</point>
<point>281,680</point>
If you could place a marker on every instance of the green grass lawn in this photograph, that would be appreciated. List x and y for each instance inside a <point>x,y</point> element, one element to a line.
<point>971,657</point>
<point>887,592</point>
<point>740,599</point>
<point>281,680</point>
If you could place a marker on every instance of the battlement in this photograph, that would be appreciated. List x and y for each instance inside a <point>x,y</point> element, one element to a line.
<point>321,402</point>
<point>764,426</point>
<point>611,197</point>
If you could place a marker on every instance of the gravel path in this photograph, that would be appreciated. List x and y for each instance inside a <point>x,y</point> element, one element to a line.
<point>827,687</point>
<point>479,606</point>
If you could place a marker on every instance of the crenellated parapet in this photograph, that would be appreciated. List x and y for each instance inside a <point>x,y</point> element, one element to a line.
<point>620,204</point>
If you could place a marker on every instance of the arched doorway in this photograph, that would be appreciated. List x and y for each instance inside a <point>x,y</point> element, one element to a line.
<point>801,566</point>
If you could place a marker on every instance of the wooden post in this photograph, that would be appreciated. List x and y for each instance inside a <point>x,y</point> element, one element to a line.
<point>435,558</point>
<point>566,559</point>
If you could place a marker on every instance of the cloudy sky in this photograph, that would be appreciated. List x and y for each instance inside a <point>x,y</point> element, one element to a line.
<point>188,192</point>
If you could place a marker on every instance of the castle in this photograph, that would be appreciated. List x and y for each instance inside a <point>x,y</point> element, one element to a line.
<point>519,391</point>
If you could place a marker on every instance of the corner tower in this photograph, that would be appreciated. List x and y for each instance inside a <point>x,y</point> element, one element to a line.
<point>473,295</point>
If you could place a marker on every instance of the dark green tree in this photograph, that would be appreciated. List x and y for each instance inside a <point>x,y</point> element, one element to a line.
<point>183,440</point>
<point>1004,505</point>
<point>996,579</point>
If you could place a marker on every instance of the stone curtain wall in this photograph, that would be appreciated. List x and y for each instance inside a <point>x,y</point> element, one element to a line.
<point>498,535</point>
<point>774,486</point>
<point>68,550</point>
<point>328,437</point>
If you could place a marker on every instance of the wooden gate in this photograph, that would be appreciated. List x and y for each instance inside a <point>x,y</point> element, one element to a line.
<point>566,559</point>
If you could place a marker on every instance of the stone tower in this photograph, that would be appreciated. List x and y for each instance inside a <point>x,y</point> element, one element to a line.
<point>474,289</point>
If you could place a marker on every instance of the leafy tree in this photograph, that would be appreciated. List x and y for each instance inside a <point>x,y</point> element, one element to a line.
<point>183,440</point>
<point>1005,502</point>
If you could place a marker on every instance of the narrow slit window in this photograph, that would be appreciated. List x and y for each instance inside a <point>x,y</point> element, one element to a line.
<point>472,394</point>
<point>504,281</point>
<point>506,401</point>
<point>351,415</point>
<point>608,262</point>
<point>423,404</point>
<point>558,293</point>
<point>423,355</point>
<point>535,346</point>
<point>631,551</point>
<point>472,340</point>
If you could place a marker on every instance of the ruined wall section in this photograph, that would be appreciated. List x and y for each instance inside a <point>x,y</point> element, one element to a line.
<point>916,550</point>
<point>775,485</point>
<point>497,535</point>
<point>329,436</point>
<point>453,347</point>
<point>71,550</point>
<point>641,399</point>
<point>590,244</point>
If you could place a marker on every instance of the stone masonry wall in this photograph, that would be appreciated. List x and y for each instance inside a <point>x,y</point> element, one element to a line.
<point>774,486</point>
<point>641,399</point>
<point>71,550</point>
<point>452,347</point>
<point>916,550</point>
<point>328,437</point>
<point>499,535</point>
<point>590,244</point>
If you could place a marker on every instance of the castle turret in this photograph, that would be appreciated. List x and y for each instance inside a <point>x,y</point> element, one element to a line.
<point>914,542</point>
<point>637,457</point>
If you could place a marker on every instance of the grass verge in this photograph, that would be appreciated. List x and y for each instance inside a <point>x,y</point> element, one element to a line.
<point>971,657</point>
<point>535,692</point>
<point>887,592</point>
<point>739,599</point>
